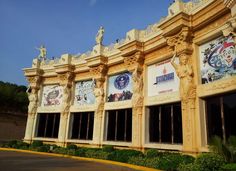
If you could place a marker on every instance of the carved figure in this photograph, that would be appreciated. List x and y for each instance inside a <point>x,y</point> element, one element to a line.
<point>33,99</point>
<point>43,52</point>
<point>137,88</point>
<point>66,98</point>
<point>99,95</point>
<point>99,36</point>
<point>185,73</point>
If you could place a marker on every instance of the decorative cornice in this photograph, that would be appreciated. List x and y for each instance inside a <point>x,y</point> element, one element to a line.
<point>131,48</point>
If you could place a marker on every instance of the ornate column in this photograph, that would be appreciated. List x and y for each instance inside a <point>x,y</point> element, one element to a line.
<point>98,73</point>
<point>183,50</point>
<point>34,86</point>
<point>134,64</point>
<point>66,80</point>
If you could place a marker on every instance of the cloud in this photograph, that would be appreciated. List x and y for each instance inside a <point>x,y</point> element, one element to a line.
<point>92,2</point>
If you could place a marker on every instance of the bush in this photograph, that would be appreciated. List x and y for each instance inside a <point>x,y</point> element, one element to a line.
<point>209,162</point>
<point>108,148</point>
<point>60,150</point>
<point>188,167</point>
<point>171,161</point>
<point>36,144</point>
<point>72,147</point>
<point>144,161</point>
<point>10,144</point>
<point>98,154</point>
<point>150,153</point>
<point>80,152</point>
<point>44,148</point>
<point>141,161</point>
<point>229,167</point>
<point>123,155</point>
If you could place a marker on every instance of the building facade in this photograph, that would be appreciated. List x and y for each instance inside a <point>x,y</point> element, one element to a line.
<point>171,86</point>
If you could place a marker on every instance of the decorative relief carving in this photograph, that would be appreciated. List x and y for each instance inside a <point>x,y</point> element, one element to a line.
<point>135,60</point>
<point>229,3</point>
<point>33,101</point>
<point>137,98</point>
<point>182,41</point>
<point>230,28</point>
<point>99,97</point>
<point>66,81</point>
<point>99,71</point>
<point>66,78</point>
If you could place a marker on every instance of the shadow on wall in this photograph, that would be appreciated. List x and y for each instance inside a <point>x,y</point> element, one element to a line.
<point>12,126</point>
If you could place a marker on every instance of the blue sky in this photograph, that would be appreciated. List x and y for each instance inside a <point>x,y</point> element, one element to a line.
<point>65,26</point>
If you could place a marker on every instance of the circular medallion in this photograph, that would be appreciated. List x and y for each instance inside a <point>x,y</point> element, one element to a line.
<point>121,81</point>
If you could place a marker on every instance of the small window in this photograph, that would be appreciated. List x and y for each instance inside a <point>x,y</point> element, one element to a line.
<point>82,125</point>
<point>119,125</point>
<point>165,124</point>
<point>48,125</point>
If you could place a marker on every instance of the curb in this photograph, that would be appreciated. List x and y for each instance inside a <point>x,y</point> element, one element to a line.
<point>141,168</point>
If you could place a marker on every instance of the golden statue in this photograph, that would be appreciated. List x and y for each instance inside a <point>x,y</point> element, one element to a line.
<point>99,36</point>
<point>43,52</point>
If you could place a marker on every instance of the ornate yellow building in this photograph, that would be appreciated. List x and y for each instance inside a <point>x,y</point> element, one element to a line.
<point>171,86</point>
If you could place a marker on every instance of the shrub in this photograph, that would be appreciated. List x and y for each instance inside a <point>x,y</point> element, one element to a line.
<point>188,167</point>
<point>227,150</point>
<point>123,155</point>
<point>171,161</point>
<point>229,167</point>
<point>139,160</point>
<point>209,162</point>
<point>81,152</point>
<point>98,154</point>
<point>11,143</point>
<point>36,144</point>
<point>16,144</point>
<point>72,147</point>
<point>60,150</point>
<point>150,153</point>
<point>44,148</point>
<point>108,148</point>
<point>144,161</point>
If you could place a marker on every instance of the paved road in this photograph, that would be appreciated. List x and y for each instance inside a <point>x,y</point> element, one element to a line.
<point>17,161</point>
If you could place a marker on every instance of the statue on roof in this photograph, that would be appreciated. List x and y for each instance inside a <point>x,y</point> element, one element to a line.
<point>99,36</point>
<point>42,52</point>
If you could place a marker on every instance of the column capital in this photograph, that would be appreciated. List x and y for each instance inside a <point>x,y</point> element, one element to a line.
<point>181,42</point>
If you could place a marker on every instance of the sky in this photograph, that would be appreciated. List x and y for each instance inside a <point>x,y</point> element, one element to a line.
<point>66,26</point>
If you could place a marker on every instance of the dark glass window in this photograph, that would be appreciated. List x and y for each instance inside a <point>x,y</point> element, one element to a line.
<point>221,115</point>
<point>165,123</point>
<point>82,125</point>
<point>48,125</point>
<point>119,125</point>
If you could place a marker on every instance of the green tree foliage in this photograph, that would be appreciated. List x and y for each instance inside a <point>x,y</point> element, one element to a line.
<point>13,98</point>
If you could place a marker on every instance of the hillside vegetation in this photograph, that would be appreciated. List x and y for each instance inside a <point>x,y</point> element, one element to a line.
<point>13,98</point>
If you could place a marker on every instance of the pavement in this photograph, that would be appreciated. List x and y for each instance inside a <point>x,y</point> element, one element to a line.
<point>23,161</point>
